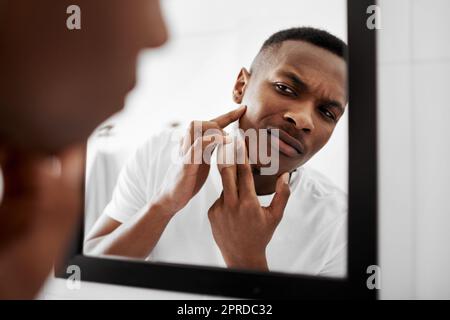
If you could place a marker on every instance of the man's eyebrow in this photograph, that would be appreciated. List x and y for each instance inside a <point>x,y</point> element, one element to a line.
<point>295,79</point>
<point>335,104</point>
<point>302,84</point>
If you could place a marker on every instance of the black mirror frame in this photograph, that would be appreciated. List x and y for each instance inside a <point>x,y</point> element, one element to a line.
<point>362,222</point>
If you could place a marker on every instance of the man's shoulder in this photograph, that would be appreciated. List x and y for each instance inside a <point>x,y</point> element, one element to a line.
<point>156,151</point>
<point>161,141</point>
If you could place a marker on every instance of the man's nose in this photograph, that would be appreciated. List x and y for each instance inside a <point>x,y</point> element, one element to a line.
<point>301,118</point>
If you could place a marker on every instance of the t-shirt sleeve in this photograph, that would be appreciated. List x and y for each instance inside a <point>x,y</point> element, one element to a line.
<point>129,195</point>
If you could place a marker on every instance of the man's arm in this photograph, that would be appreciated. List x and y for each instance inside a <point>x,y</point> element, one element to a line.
<point>134,238</point>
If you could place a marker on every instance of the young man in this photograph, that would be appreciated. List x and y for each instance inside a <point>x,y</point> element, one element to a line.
<point>56,86</point>
<point>232,215</point>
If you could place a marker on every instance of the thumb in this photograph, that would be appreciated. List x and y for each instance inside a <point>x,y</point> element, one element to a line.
<point>280,199</point>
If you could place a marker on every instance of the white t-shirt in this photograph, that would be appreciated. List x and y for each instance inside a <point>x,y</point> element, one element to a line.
<point>310,239</point>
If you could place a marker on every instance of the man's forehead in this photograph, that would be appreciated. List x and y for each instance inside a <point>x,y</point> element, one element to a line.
<point>307,57</point>
<point>318,68</point>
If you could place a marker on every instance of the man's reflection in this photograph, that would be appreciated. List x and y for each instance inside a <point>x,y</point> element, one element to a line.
<point>293,220</point>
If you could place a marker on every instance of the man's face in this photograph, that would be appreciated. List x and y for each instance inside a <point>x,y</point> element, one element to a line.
<point>301,90</point>
<point>58,84</point>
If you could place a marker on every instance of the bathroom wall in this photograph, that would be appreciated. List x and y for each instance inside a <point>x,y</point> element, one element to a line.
<point>414,207</point>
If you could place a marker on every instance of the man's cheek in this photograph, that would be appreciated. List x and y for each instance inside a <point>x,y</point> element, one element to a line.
<point>319,143</point>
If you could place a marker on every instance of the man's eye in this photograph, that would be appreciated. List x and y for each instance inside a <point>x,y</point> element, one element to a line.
<point>284,89</point>
<point>328,113</point>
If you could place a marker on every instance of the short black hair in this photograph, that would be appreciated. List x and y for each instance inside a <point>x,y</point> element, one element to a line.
<point>318,37</point>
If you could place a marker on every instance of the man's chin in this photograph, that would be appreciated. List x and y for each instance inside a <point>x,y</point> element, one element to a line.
<point>269,170</point>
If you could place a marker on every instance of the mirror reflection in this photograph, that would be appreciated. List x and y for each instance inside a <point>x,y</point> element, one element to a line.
<point>241,160</point>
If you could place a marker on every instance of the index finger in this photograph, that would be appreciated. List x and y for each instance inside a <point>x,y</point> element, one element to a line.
<point>229,117</point>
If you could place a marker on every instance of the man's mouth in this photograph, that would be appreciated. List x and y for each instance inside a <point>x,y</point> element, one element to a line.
<point>288,145</point>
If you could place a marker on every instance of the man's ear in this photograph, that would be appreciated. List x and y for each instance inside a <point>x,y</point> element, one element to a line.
<point>240,85</point>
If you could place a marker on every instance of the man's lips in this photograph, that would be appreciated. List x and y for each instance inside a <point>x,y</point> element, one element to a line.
<point>288,145</point>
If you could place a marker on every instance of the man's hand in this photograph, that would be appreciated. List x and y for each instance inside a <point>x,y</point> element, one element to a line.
<point>242,228</point>
<point>185,179</point>
<point>38,214</point>
<point>138,236</point>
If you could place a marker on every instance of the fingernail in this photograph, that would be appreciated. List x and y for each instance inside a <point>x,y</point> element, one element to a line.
<point>285,178</point>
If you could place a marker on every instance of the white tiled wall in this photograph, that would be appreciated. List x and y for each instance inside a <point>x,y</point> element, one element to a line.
<point>430,28</point>
<point>414,113</point>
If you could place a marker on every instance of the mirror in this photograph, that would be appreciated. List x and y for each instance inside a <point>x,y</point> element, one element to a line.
<point>273,77</point>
